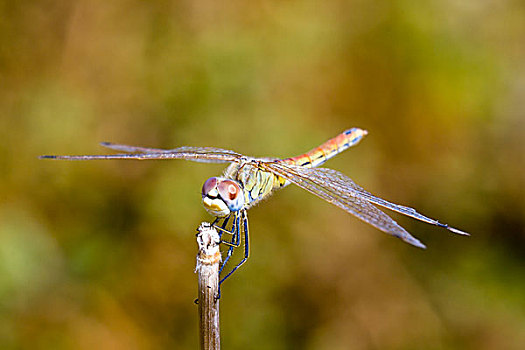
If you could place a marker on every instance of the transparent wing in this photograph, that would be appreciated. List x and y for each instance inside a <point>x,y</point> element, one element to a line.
<point>132,149</point>
<point>128,148</point>
<point>196,154</point>
<point>355,205</point>
<point>340,190</point>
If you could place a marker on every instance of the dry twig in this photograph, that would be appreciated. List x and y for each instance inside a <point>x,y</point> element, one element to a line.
<point>208,261</point>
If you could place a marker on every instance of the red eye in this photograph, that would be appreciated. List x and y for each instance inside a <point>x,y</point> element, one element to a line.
<point>209,185</point>
<point>229,189</point>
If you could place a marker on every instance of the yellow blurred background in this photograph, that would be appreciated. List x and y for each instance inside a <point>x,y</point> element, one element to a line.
<point>101,254</point>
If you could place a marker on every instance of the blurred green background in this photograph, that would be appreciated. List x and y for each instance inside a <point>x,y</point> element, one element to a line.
<point>101,254</point>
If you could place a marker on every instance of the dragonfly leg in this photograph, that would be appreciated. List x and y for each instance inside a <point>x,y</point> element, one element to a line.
<point>222,228</point>
<point>235,242</point>
<point>215,221</point>
<point>246,248</point>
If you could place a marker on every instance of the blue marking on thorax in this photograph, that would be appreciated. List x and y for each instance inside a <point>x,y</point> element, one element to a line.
<point>250,199</point>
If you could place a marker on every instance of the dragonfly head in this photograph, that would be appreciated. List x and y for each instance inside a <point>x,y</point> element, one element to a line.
<point>221,196</point>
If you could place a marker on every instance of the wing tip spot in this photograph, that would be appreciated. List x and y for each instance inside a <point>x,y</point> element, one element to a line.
<point>421,245</point>
<point>415,242</point>
<point>456,231</point>
<point>452,229</point>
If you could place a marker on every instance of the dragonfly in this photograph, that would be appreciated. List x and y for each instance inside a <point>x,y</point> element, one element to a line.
<point>249,180</point>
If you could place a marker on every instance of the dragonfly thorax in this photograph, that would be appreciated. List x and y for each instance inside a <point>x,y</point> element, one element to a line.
<point>257,183</point>
<point>221,196</point>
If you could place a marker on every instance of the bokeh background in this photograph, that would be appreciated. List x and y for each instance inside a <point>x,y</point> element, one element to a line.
<point>101,254</point>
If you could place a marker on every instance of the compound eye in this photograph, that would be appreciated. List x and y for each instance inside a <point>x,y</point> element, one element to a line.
<point>229,190</point>
<point>209,185</point>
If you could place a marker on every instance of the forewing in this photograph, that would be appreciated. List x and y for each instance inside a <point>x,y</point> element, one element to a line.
<point>196,154</point>
<point>132,149</point>
<point>343,183</point>
<point>323,186</point>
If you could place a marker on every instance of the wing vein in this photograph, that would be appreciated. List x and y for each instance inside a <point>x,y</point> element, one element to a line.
<point>348,200</point>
